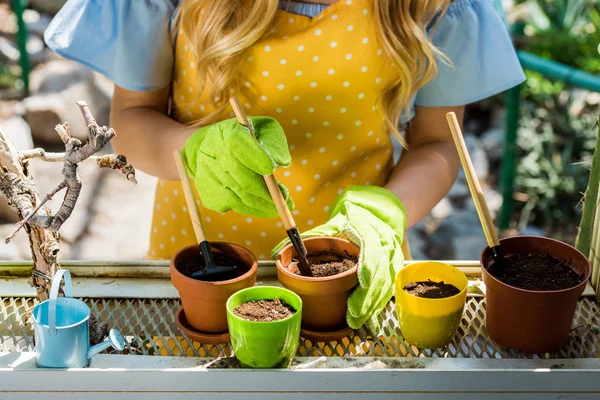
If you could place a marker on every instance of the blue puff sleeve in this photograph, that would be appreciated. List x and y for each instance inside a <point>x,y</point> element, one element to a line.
<point>473,36</point>
<point>128,41</point>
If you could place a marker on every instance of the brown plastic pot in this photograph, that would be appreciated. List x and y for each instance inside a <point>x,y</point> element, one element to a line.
<point>532,321</point>
<point>324,300</point>
<point>204,302</point>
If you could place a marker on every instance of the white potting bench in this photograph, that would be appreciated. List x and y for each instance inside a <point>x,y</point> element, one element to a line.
<point>161,363</point>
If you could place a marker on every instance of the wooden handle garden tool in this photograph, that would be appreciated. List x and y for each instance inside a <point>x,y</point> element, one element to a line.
<point>278,199</point>
<point>475,188</point>
<point>211,271</point>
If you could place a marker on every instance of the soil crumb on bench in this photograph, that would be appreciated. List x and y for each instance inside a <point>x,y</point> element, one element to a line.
<point>326,264</point>
<point>431,290</point>
<point>536,272</point>
<point>264,310</point>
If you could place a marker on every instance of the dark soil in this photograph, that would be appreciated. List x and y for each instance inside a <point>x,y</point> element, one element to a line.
<point>325,264</point>
<point>431,290</point>
<point>188,266</point>
<point>264,310</point>
<point>536,272</point>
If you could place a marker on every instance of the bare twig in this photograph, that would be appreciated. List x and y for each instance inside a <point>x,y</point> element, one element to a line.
<point>112,161</point>
<point>49,196</point>
<point>75,153</point>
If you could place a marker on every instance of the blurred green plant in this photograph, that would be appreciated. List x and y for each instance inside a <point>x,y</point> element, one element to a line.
<point>567,31</point>
<point>7,77</point>
<point>556,129</point>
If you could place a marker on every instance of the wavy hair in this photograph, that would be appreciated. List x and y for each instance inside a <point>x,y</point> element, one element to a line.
<point>221,31</point>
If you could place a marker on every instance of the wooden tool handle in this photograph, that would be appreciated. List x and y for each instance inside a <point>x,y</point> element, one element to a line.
<point>276,195</point>
<point>190,199</point>
<point>480,204</point>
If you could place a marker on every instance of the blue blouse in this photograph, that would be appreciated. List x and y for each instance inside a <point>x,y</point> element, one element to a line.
<point>131,42</point>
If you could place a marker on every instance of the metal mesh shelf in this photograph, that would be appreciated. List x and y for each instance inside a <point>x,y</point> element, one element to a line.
<point>150,329</point>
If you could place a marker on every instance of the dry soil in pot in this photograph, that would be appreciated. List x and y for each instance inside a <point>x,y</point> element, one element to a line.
<point>326,264</point>
<point>431,290</point>
<point>536,272</point>
<point>264,310</point>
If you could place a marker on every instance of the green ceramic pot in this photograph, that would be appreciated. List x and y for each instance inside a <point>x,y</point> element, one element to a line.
<point>264,344</point>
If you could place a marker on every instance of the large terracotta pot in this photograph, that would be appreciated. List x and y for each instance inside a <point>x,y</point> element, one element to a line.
<point>204,302</point>
<point>324,300</point>
<point>532,321</point>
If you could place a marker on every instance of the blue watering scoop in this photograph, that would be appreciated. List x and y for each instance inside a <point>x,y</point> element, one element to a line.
<point>61,328</point>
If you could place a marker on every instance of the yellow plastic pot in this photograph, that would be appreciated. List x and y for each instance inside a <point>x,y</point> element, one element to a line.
<point>430,323</point>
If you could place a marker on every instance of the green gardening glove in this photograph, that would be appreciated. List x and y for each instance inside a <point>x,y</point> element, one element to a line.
<point>228,165</point>
<point>374,219</point>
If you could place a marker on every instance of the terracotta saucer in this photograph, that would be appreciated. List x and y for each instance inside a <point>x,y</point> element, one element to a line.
<point>325,336</point>
<point>197,336</point>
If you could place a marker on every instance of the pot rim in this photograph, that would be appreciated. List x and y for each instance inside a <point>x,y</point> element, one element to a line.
<point>285,270</point>
<point>263,323</point>
<point>253,268</point>
<point>583,283</point>
<point>425,299</point>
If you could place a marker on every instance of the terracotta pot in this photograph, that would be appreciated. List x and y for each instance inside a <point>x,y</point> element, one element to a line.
<point>204,302</point>
<point>324,300</point>
<point>529,320</point>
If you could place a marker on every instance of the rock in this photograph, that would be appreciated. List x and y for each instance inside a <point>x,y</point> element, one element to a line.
<point>47,6</point>
<point>469,247</point>
<point>9,53</point>
<point>18,132</point>
<point>112,217</point>
<point>459,190</point>
<point>458,237</point>
<point>120,226</point>
<point>58,85</point>
<point>478,157</point>
<point>57,76</point>
<point>532,230</point>
<point>18,248</point>
<point>416,244</point>
<point>439,245</point>
<point>8,21</point>
<point>36,22</point>
<point>492,198</point>
<point>442,209</point>
<point>492,142</point>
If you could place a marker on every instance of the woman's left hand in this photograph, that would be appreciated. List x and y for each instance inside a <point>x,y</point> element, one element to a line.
<point>374,219</point>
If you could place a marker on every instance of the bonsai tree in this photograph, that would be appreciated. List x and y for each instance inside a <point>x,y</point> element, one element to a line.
<point>18,186</point>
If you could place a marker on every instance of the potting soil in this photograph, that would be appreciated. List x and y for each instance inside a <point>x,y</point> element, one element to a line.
<point>188,266</point>
<point>325,264</point>
<point>264,310</point>
<point>431,290</point>
<point>536,272</point>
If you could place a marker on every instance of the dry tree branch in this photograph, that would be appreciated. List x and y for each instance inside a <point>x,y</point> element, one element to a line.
<point>75,153</point>
<point>17,185</point>
<point>111,161</point>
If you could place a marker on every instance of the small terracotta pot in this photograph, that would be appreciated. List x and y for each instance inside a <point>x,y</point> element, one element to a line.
<point>324,300</point>
<point>532,321</point>
<point>204,302</point>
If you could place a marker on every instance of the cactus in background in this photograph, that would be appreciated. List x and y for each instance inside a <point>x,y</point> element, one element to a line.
<point>589,228</point>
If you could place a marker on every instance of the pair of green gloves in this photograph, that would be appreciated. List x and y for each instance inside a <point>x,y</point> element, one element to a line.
<point>228,165</point>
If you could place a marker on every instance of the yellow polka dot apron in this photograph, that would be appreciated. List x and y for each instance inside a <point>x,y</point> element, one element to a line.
<point>321,79</point>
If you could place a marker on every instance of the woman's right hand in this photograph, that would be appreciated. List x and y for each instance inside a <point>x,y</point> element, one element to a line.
<point>228,164</point>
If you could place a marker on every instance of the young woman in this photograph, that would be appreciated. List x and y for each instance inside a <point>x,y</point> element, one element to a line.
<point>340,77</point>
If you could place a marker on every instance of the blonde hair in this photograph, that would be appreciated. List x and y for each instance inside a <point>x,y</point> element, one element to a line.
<point>222,30</point>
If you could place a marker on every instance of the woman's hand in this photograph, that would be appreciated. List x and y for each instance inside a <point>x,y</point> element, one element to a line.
<point>374,219</point>
<point>228,165</point>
